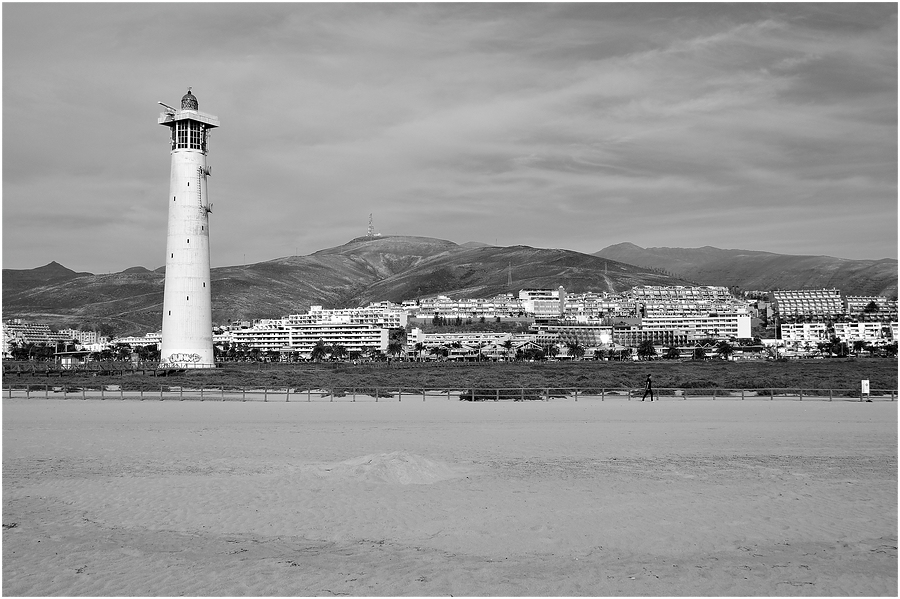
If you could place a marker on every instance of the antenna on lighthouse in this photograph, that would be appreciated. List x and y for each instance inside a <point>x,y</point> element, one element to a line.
<point>167,107</point>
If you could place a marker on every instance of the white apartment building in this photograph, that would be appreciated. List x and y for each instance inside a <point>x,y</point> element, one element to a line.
<point>857,304</point>
<point>302,338</point>
<point>20,332</point>
<point>487,344</point>
<point>381,314</point>
<point>807,335</point>
<point>585,335</point>
<point>543,303</point>
<point>871,332</point>
<point>133,341</point>
<point>815,332</point>
<point>703,293</point>
<point>684,301</point>
<point>471,338</point>
<point>355,338</point>
<point>808,303</point>
<point>502,306</point>
<point>272,335</point>
<point>804,337</point>
<point>716,325</point>
<point>84,337</point>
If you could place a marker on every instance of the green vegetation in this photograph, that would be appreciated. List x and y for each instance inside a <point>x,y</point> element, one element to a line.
<point>806,374</point>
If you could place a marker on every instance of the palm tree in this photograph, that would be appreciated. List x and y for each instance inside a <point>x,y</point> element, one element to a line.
<point>575,350</point>
<point>338,351</point>
<point>646,350</point>
<point>439,351</point>
<point>533,353</point>
<point>724,349</point>
<point>318,351</point>
<point>395,348</point>
<point>840,348</point>
<point>418,347</point>
<point>507,345</point>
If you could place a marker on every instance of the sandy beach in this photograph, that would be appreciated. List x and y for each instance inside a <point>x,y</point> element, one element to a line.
<point>442,497</point>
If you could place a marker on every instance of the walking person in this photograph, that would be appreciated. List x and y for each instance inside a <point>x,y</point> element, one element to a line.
<point>648,388</point>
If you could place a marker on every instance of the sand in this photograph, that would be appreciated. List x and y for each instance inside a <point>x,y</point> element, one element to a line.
<point>449,498</point>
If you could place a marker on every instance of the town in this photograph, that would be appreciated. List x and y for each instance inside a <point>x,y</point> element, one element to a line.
<point>646,322</point>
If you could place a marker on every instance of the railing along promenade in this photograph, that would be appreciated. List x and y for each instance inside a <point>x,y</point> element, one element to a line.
<point>398,394</point>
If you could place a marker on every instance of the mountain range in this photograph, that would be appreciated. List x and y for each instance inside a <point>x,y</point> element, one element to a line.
<point>405,267</point>
<point>753,270</point>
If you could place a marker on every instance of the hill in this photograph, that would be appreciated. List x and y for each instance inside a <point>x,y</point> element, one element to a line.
<point>763,270</point>
<point>17,280</point>
<point>405,267</point>
<point>360,271</point>
<point>485,272</point>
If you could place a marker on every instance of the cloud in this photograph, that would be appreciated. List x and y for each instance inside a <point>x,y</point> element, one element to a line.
<point>559,125</point>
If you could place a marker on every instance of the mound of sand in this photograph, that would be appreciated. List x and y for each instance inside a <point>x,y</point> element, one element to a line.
<point>395,467</point>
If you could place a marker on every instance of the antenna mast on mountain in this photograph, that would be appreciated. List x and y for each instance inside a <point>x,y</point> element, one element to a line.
<point>371,231</point>
<point>509,275</point>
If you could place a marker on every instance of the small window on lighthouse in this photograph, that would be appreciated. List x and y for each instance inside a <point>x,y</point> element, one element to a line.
<point>189,240</point>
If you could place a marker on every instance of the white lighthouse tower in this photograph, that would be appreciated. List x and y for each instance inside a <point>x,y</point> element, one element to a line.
<point>187,303</point>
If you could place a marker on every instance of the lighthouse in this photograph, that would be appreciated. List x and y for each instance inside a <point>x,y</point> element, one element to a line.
<point>187,303</point>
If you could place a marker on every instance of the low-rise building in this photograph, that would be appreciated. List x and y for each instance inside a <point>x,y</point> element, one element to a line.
<point>85,337</point>
<point>470,345</point>
<point>870,332</point>
<point>154,339</point>
<point>584,335</point>
<point>302,338</point>
<point>713,325</point>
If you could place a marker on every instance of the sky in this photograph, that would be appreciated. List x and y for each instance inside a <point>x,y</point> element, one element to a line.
<point>577,126</point>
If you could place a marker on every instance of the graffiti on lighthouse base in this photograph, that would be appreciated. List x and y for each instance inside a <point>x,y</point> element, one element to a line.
<point>181,361</point>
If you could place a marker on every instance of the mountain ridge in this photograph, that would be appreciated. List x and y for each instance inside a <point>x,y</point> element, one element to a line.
<point>759,270</point>
<point>406,267</point>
